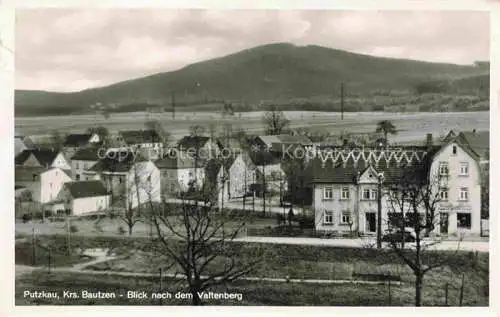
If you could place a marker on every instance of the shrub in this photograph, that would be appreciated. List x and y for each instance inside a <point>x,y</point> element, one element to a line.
<point>121,230</point>
<point>73,229</point>
<point>26,218</point>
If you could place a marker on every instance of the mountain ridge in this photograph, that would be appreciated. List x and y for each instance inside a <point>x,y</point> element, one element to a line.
<point>279,72</point>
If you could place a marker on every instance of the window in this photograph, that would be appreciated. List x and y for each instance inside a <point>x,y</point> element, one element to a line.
<point>454,150</point>
<point>328,193</point>
<point>443,168</point>
<point>463,220</point>
<point>370,194</point>
<point>346,217</point>
<point>328,217</point>
<point>464,169</point>
<point>463,194</point>
<point>345,193</point>
<point>366,194</point>
<point>443,194</point>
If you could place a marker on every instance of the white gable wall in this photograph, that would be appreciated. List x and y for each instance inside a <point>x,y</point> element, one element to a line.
<point>51,183</point>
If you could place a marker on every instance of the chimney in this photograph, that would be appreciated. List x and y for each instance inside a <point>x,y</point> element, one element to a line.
<point>428,140</point>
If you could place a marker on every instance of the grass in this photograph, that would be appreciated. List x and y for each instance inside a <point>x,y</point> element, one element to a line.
<point>57,255</point>
<point>413,125</point>
<point>306,262</point>
<point>253,293</point>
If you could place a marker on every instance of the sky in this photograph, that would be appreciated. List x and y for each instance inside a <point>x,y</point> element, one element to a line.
<point>74,49</point>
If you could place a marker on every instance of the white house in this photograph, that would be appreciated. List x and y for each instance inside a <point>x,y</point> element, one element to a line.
<point>46,158</point>
<point>83,160</point>
<point>237,174</point>
<point>44,184</point>
<point>131,181</point>
<point>206,147</point>
<point>346,187</point>
<point>84,197</point>
<point>140,139</point>
<point>76,141</point>
<point>179,173</point>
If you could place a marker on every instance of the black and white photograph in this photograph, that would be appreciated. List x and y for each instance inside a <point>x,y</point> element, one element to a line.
<point>187,157</point>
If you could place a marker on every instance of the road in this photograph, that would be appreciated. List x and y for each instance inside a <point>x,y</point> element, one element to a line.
<point>450,245</point>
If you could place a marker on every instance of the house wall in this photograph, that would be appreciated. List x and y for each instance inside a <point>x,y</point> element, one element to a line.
<point>240,177</point>
<point>95,138</point>
<point>32,161</point>
<point>61,162</point>
<point>34,187</point>
<point>454,182</point>
<point>81,206</point>
<point>78,167</point>
<point>187,175</point>
<point>143,184</point>
<point>337,205</point>
<point>51,183</point>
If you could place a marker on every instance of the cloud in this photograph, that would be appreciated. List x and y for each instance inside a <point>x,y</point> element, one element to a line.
<point>68,49</point>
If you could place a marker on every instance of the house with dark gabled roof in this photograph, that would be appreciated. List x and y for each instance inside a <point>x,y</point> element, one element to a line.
<point>478,141</point>
<point>44,184</point>
<point>205,146</point>
<point>346,181</point>
<point>140,139</point>
<point>180,172</point>
<point>82,160</point>
<point>42,158</point>
<point>19,145</point>
<point>131,180</point>
<point>75,141</point>
<point>84,197</point>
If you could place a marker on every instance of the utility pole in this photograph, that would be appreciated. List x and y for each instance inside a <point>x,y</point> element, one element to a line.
<point>173,105</point>
<point>379,212</point>
<point>68,234</point>
<point>341,101</point>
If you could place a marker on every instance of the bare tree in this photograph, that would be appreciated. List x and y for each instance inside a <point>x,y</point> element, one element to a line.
<point>275,121</point>
<point>158,127</point>
<point>199,242</point>
<point>412,204</point>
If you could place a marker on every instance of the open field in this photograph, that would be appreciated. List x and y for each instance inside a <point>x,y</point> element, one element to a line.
<point>411,126</point>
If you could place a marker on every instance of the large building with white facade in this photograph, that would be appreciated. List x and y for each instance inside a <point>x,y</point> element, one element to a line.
<point>346,186</point>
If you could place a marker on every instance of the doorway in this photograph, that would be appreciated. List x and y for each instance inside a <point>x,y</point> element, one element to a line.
<point>371,222</point>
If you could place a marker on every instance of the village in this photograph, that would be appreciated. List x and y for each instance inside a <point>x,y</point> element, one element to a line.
<point>330,187</point>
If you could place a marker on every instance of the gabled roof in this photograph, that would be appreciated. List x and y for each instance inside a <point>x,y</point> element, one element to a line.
<point>269,139</point>
<point>19,145</point>
<point>260,158</point>
<point>192,142</point>
<point>404,165</point>
<point>86,154</point>
<point>44,156</point>
<point>140,136</point>
<point>478,141</point>
<point>26,174</point>
<point>76,140</point>
<point>120,163</point>
<point>294,139</point>
<point>169,162</point>
<point>83,189</point>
